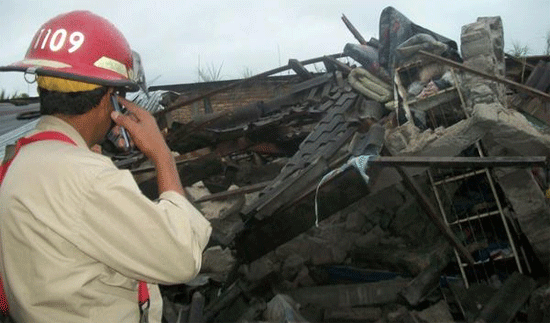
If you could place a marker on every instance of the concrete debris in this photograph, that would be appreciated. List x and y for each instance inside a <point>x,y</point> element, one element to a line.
<point>397,245</point>
<point>435,240</point>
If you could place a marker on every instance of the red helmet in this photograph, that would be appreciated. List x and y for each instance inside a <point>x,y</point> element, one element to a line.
<point>80,46</point>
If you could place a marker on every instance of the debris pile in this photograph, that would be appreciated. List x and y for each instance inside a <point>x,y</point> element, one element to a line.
<point>408,183</point>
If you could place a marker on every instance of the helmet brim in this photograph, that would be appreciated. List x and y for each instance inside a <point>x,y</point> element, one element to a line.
<point>100,76</point>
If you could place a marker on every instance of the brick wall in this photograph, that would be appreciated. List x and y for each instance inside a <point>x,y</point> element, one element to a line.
<point>242,95</point>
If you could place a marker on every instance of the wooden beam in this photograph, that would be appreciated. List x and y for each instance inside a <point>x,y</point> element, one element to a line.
<point>354,31</point>
<point>460,162</point>
<point>339,65</point>
<point>299,69</point>
<point>499,79</point>
<point>238,191</point>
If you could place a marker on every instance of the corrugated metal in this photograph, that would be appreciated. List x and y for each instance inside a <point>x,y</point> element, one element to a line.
<point>150,103</point>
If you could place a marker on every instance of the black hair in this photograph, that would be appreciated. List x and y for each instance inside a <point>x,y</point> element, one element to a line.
<point>71,103</point>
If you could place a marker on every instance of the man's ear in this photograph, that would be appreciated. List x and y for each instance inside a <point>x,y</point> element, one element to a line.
<point>106,99</point>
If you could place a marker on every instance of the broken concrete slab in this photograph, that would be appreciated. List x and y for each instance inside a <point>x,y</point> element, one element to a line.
<point>492,121</point>
<point>424,283</point>
<point>503,306</point>
<point>217,263</point>
<point>530,208</point>
<point>438,312</point>
<point>482,47</point>
<point>539,305</point>
<point>353,314</point>
<point>335,296</point>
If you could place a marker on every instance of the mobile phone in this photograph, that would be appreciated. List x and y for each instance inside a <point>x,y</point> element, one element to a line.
<point>123,132</point>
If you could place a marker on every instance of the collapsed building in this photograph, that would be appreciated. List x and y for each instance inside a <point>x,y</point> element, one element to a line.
<point>405,184</point>
<point>408,182</point>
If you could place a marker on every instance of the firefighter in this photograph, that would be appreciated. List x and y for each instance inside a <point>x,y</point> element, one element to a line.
<point>79,241</point>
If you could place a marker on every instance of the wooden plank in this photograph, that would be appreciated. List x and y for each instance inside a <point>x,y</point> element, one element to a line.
<point>461,162</point>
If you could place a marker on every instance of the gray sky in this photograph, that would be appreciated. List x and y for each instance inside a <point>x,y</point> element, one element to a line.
<point>255,36</point>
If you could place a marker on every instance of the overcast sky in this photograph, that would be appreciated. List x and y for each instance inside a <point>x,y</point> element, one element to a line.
<point>243,37</point>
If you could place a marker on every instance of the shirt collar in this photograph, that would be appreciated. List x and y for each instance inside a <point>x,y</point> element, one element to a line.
<point>51,123</point>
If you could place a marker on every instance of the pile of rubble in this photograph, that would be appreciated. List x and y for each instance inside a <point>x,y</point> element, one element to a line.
<point>406,186</point>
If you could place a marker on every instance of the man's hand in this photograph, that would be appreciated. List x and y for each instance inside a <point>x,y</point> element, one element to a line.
<point>147,137</point>
<point>143,129</point>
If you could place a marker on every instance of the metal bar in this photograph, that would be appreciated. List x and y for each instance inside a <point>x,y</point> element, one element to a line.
<point>459,177</point>
<point>488,76</point>
<point>504,221</point>
<point>460,162</point>
<point>354,31</point>
<point>442,210</point>
<point>239,191</point>
<point>432,213</point>
<point>475,217</point>
<point>148,169</point>
<point>181,102</point>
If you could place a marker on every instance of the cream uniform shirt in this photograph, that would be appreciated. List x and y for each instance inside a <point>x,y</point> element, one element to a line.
<point>76,235</point>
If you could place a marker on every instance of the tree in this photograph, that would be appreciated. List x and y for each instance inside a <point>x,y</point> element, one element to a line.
<point>209,74</point>
<point>4,96</point>
<point>518,50</point>
<point>246,72</point>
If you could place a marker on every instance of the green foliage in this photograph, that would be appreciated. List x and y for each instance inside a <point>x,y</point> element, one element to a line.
<point>548,43</point>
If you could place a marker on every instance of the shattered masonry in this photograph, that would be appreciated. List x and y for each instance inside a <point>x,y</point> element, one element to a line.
<point>376,255</point>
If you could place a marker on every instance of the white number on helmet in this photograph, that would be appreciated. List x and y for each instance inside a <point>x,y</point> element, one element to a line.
<point>46,39</point>
<point>76,39</point>
<point>38,38</point>
<point>55,43</point>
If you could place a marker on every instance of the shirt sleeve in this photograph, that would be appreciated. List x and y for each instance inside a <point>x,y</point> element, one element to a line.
<point>158,242</point>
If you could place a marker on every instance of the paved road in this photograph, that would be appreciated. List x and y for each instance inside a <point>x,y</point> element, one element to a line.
<point>8,116</point>
<point>11,128</point>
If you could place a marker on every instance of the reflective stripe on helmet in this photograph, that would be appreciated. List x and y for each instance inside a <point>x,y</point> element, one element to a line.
<point>45,63</point>
<point>112,65</point>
